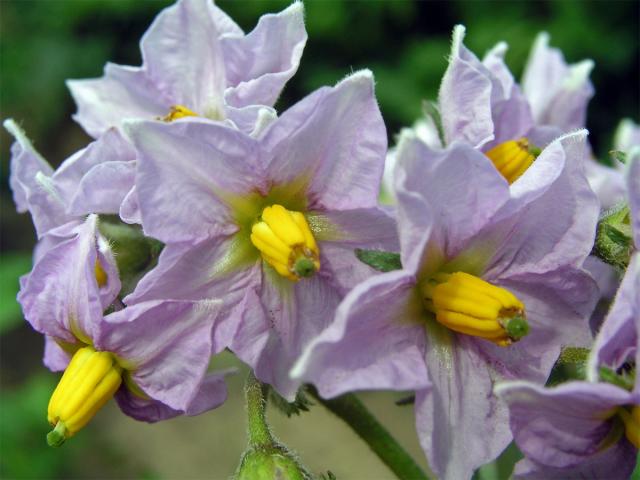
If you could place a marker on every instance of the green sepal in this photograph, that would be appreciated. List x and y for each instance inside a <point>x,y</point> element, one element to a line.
<point>135,254</point>
<point>570,365</point>
<point>431,110</point>
<point>379,260</point>
<point>268,462</point>
<point>618,155</point>
<point>613,242</point>
<point>299,405</point>
<point>624,379</point>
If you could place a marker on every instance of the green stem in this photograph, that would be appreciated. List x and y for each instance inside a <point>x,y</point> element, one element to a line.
<point>259,433</point>
<point>355,414</point>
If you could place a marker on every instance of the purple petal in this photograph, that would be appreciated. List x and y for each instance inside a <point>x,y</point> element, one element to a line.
<point>558,93</point>
<point>186,171</point>
<point>617,341</point>
<point>130,208</point>
<point>460,408</point>
<point>165,344</point>
<point>183,57</point>
<point>288,316</point>
<point>511,113</point>
<point>567,239</point>
<point>109,147</point>
<point>558,306</point>
<point>597,467</point>
<point>260,63</point>
<point>627,135</point>
<point>103,188</point>
<point>461,208</point>
<point>123,92</point>
<point>334,139</point>
<point>375,342</point>
<point>465,96</point>
<point>204,270</point>
<point>562,426</point>
<point>55,358</point>
<point>339,233</point>
<point>608,183</point>
<point>61,297</point>
<point>30,181</point>
<point>633,187</point>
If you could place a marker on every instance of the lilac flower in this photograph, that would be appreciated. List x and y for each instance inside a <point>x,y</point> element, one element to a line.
<point>96,179</point>
<point>481,261</point>
<point>197,61</point>
<point>268,224</point>
<point>154,365</point>
<point>589,429</point>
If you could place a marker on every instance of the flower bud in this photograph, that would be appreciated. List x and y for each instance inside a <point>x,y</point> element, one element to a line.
<point>268,463</point>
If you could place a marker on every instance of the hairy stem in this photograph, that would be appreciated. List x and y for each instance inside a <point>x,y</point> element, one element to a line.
<point>259,433</point>
<point>355,414</point>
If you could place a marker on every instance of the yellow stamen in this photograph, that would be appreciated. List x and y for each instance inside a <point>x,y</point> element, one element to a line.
<point>512,158</point>
<point>631,424</point>
<point>178,111</point>
<point>90,380</point>
<point>285,242</point>
<point>101,275</point>
<point>467,304</point>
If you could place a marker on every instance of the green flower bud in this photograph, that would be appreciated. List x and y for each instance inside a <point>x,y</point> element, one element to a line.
<point>268,463</point>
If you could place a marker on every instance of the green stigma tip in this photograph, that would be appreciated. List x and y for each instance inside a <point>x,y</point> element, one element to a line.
<point>304,267</point>
<point>517,327</point>
<point>56,437</point>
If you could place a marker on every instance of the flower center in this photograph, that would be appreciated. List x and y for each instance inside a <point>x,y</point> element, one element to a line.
<point>90,379</point>
<point>512,158</point>
<point>178,111</point>
<point>467,304</point>
<point>285,242</point>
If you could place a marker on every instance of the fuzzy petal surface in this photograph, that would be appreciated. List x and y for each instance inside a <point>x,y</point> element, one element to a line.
<point>31,184</point>
<point>558,93</point>
<point>61,297</point>
<point>169,365</point>
<point>259,64</point>
<point>375,342</point>
<point>336,141</point>
<point>564,426</point>
<point>460,208</point>
<point>183,57</point>
<point>123,92</point>
<point>459,409</point>
<point>185,171</point>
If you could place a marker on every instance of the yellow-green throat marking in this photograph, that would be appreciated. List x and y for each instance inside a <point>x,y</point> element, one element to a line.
<point>467,304</point>
<point>285,242</point>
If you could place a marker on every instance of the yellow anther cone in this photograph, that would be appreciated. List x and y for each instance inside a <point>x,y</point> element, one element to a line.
<point>467,304</point>
<point>286,242</point>
<point>90,380</point>
<point>178,111</point>
<point>513,158</point>
<point>101,275</point>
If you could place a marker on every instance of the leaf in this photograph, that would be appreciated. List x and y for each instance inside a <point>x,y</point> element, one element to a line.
<point>12,267</point>
<point>379,260</point>
<point>299,405</point>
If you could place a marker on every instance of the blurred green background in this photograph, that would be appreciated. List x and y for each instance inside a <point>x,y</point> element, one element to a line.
<point>42,43</point>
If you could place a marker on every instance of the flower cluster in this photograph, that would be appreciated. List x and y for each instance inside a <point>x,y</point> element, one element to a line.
<point>200,219</point>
